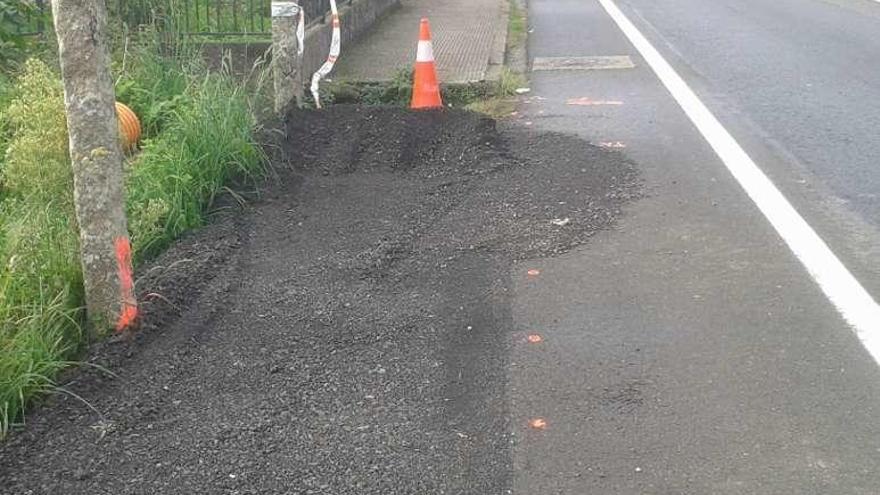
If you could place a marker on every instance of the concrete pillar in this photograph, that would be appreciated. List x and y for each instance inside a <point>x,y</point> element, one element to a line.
<point>286,56</point>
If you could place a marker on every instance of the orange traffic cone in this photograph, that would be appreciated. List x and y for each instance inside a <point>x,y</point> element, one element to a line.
<point>426,89</point>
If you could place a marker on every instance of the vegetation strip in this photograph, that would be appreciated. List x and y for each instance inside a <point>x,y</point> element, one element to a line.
<point>199,135</point>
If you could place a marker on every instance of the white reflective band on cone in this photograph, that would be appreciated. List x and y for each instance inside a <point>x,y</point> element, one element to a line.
<point>425,52</point>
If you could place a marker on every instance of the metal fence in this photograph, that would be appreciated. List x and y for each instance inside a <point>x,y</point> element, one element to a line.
<point>209,18</point>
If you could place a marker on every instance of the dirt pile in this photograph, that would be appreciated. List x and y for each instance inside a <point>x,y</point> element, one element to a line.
<point>347,333</point>
<point>499,189</point>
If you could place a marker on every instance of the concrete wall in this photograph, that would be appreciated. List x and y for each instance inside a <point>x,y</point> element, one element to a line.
<point>356,16</point>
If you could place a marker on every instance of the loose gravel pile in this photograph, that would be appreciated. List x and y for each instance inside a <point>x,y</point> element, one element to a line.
<point>347,333</point>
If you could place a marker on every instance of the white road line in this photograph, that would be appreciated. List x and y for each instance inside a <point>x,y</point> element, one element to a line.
<point>856,306</point>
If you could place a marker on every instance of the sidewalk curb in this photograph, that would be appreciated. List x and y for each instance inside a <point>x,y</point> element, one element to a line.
<point>499,44</point>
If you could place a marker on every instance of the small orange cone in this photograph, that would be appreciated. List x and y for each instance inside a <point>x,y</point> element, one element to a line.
<point>426,89</point>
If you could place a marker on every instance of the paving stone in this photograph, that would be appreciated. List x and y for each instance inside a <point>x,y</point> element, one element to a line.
<point>464,35</point>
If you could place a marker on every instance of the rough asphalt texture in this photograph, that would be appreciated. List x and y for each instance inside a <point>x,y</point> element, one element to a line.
<point>347,333</point>
<point>689,352</point>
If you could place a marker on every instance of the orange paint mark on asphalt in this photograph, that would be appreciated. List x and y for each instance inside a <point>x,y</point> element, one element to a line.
<point>535,338</point>
<point>533,272</point>
<point>587,102</point>
<point>126,282</point>
<point>538,424</point>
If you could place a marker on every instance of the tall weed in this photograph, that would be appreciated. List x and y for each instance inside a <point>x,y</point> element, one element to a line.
<point>207,142</point>
<point>40,278</point>
<point>153,84</point>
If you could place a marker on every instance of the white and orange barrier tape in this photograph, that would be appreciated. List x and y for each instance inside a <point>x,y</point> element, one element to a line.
<point>335,48</point>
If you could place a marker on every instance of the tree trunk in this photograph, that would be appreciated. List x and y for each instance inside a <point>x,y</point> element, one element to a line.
<point>96,157</point>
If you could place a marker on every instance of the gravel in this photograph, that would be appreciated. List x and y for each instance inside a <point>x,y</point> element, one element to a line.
<point>346,332</point>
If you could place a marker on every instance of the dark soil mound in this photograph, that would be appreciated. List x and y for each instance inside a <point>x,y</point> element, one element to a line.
<point>346,139</point>
<point>501,189</point>
<point>347,333</point>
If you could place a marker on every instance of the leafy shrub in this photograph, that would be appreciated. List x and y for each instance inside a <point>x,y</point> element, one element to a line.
<point>37,161</point>
<point>39,239</point>
<point>40,277</point>
<point>13,18</point>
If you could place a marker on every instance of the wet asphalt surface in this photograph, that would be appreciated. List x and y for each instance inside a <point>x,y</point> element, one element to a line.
<point>688,351</point>
<point>803,71</point>
<point>349,332</point>
<point>364,326</point>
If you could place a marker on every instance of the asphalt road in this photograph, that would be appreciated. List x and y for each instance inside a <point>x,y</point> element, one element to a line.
<point>690,351</point>
<point>805,71</point>
<point>395,315</point>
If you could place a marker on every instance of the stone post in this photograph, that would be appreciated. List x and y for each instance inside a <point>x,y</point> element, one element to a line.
<point>286,56</point>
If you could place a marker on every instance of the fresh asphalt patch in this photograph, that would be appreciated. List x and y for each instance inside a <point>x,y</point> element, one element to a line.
<point>347,332</point>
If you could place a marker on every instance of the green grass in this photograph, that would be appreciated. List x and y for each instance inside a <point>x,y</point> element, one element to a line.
<point>517,25</point>
<point>6,94</point>
<point>207,143</point>
<point>199,136</point>
<point>33,352</point>
<point>153,86</point>
<point>40,280</point>
<point>501,100</point>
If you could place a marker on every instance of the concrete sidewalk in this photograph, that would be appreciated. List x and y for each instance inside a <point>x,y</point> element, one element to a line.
<point>469,41</point>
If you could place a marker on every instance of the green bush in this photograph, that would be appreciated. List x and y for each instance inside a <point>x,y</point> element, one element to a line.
<point>38,248</point>
<point>37,167</point>
<point>14,17</point>
<point>40,278</point>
